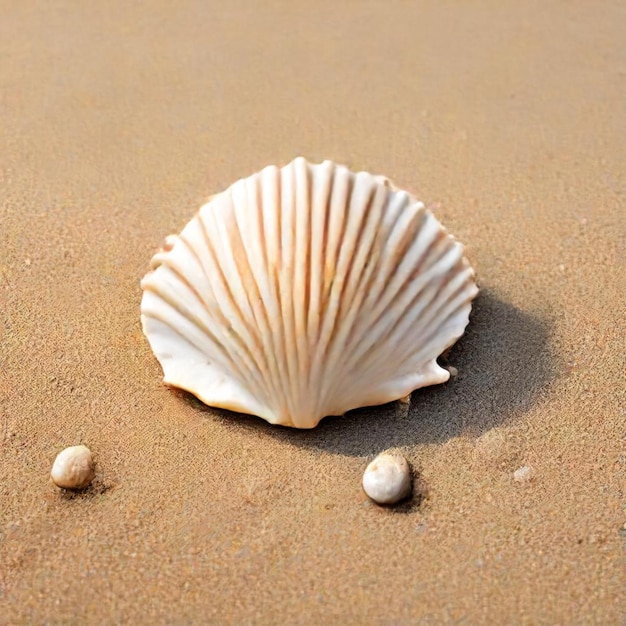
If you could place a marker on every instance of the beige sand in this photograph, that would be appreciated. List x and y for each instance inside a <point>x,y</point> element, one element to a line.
<point>117,119</point>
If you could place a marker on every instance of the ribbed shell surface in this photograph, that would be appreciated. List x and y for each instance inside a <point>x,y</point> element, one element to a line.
<point>306,291</point>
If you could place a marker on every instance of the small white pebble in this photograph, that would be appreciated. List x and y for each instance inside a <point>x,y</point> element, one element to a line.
<point>74,468</point>
<point>523,474</point>
<point>453,371</point>
<point>387,479</point>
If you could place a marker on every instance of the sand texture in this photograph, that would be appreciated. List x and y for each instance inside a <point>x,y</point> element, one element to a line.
<point>119,119</point>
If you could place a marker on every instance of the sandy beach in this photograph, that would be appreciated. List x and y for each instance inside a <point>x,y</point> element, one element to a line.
<point>118,120</point>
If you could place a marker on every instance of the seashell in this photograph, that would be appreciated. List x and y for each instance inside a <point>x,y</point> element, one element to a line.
<point>306,291</point>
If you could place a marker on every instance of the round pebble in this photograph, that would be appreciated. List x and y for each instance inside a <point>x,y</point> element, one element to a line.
<point>387,479</point>
<point>74,468</point>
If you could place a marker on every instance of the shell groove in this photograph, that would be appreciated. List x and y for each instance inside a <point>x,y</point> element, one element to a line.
<point>306,291</point>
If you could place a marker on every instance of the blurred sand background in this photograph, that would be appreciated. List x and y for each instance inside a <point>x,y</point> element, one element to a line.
<point>118,119</point>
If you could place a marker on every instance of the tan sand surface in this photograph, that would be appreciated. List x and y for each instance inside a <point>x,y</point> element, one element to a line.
<point>117,120</point>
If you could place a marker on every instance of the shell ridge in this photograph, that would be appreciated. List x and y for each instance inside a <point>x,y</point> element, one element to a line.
<point>318,219</point>
<point>323,174</point>
<point>450,298</point>
<point>357,242</point>
<point>330,303</point>
<point>437,246</point>
<point>405,276</point>
<point>382,298</point>
<point>260,272</point>
<point>214,312</point>
<point>359,305</point>
<point>336,278</point>
<point>352,296</point>
<point>356,301</point>
<point>363,297</point>
<point>226,303</point>
<point>429,346</point>
<point>453,297</point>
<point>302,253</point>
<point>152,316</point>
<point>379,279</point>
<point>236,303</point>
<point>170,265</point>
<point>400,243</point>
<point>173,299</point>
<point>355,223</point>
<point>285,282</point>
<point>227,259</point>
<point>356,262</point>
<point>393,214</point>
<point>268,274</point>
<point>405,299</point>
<point>383,332</point>
<point>178,329</point>
<point>241,249</point>
<point>208,303</point>
<point>272,229</point>
<point>319,246</point>
<point>440,293</point>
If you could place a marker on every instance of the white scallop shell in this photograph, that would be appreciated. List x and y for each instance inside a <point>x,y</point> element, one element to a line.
<point>306,291</point>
